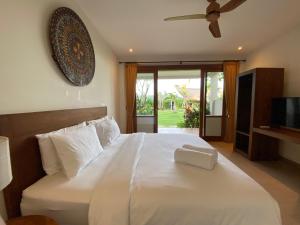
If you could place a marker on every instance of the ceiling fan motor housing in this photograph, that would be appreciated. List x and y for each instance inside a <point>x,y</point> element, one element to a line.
<point>213,16</point>
<point>213,11</point>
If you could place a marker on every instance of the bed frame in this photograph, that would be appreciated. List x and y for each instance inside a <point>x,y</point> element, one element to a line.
<point>25,155</point>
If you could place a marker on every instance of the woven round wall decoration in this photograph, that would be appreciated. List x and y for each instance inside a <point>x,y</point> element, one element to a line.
<point>72,48</point>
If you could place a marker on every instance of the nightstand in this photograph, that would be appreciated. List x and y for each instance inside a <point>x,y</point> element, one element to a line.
<point>31,220</point>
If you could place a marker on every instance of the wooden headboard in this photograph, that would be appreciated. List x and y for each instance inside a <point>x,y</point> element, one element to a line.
<point>25,155</point>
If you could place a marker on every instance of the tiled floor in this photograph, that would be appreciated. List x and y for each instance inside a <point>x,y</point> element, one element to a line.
<point>179,130</point>
<point>280,178</point>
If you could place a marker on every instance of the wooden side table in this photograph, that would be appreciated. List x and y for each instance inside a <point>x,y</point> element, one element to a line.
<point>31,220</point>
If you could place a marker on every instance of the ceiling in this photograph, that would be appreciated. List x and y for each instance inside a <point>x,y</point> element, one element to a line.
<point>138,24</point>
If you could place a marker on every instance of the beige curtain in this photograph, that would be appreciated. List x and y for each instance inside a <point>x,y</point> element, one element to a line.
<point>231,70</point>
<point>130,81</point>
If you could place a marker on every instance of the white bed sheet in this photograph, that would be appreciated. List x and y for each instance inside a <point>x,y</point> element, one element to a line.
<point>136,182</point>
<point>143,186</point>
<point>67,201</point>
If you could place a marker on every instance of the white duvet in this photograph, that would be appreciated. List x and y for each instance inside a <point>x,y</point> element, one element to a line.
<point>144,186</point>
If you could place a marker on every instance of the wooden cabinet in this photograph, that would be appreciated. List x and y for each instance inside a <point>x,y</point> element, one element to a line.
<point>31,220</point>
<point>254,92</point>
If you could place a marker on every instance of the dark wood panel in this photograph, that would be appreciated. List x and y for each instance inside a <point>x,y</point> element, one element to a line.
<point>31,220</point>
<point>25,155</point>
<point>155,125</point>
<point>253,109</point>
<point>264,147</point>
<point>244,102</point>
<point>268,85</point>
<point>202,104</point>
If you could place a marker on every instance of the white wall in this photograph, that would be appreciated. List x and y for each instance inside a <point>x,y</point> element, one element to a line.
<point>282,52</point>
<point>30,80</point>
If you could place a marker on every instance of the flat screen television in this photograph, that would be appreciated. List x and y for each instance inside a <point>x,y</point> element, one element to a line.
<point>286,112</point>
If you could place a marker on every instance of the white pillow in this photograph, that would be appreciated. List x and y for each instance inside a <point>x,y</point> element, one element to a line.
<point>97,121</point>
<point>107,130</point>
<point>77,149</point>
<point>50,160</point>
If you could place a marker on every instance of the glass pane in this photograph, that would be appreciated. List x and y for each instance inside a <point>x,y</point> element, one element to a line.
<point>214,93</point>
<point>214,104</point>
<point>179,101</point>
<point>145,102</point>
<point>145,94</point>
<point>213,126</point>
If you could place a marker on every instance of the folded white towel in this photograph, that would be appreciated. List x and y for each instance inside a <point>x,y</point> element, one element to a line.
<point>202,149</point>
<point>195,158</point>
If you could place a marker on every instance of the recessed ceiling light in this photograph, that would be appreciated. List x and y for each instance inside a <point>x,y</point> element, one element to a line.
<point>130,50</point>
<point>240,48</point>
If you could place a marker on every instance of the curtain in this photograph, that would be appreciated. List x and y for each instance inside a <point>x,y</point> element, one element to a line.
<point>130,81</point>
<point>231,70</point>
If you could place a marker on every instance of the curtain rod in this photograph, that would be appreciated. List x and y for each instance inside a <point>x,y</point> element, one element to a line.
<point>183,61</point>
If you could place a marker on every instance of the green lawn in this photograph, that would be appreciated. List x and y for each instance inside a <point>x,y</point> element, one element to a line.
<point>169,118</point>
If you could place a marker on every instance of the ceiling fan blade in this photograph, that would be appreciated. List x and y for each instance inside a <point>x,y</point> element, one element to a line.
<point>231,5</point>
<point>186,17</point>
<point>215,29</point>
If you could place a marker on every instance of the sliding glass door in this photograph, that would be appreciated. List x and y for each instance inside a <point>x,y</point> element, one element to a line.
<point>181,99</point>
<point>145,102</point>
<point>214,106</point>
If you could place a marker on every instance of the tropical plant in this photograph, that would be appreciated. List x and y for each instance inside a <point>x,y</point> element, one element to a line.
<point>144,102</point>
<point>192,115</point>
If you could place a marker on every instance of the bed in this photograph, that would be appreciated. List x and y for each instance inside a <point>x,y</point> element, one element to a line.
<point>135,181</point>
<point>67,200</point>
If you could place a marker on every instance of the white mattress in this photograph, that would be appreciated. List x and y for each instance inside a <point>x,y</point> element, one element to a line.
<point>143,186</point>
<point>135,181</point>
<point>67,201</point>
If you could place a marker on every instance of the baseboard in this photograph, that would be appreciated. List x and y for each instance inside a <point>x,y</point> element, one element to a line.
<point>213,138</point>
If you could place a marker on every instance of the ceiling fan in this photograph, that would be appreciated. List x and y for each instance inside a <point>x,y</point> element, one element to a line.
<point>212,15</point>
